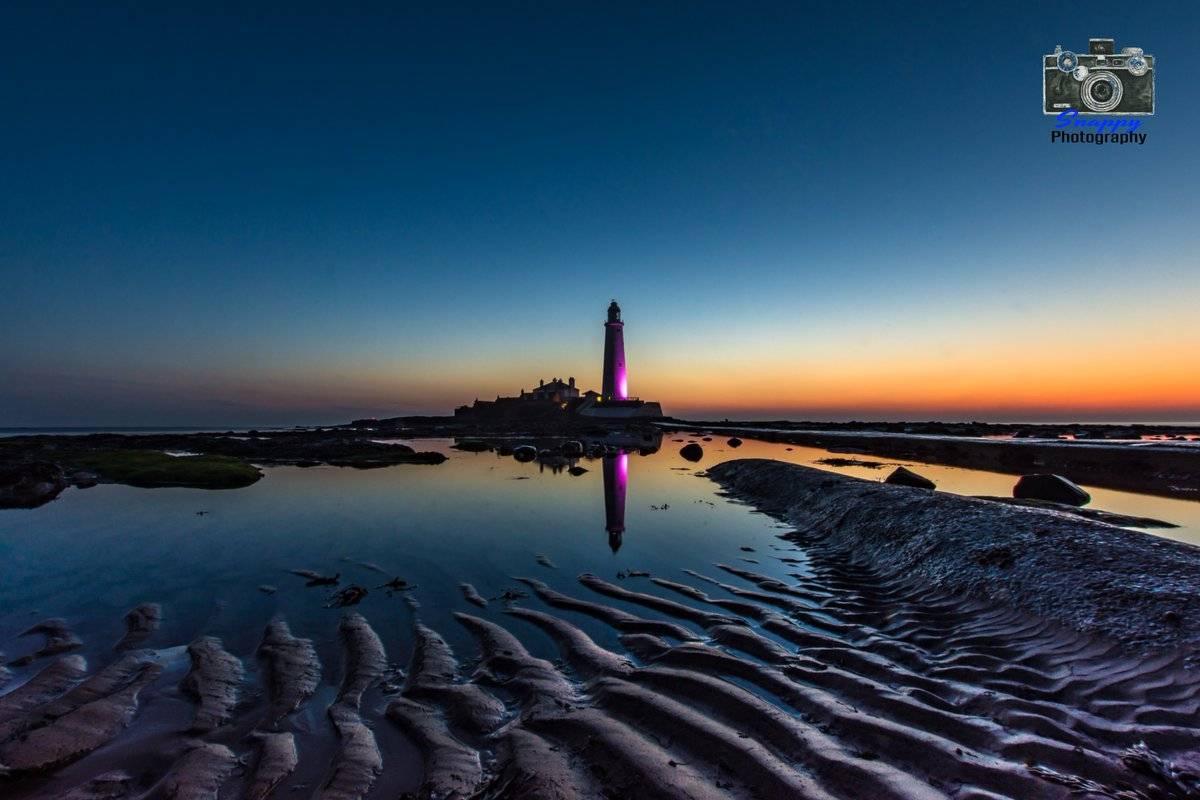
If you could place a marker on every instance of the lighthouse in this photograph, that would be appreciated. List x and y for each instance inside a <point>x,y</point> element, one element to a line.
<point>613,401</point>
<point>616,382</point>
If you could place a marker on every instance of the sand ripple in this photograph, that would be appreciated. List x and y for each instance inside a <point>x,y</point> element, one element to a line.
<point>840,683</point>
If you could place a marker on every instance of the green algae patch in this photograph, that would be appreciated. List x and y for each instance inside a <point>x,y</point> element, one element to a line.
<point>150,469</point>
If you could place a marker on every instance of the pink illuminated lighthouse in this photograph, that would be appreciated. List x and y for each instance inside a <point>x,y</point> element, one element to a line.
<point>616,382</point>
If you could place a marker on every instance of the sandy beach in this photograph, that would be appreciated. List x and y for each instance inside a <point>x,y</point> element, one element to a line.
<point>885,642</point>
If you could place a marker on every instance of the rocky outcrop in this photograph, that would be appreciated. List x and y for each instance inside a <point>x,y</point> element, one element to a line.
<point>30,484</point>
<point>692,452</point>
<point>1137,589</point>
<point>902,476</point>
<point>1054,488</point>
<point>35,469</point>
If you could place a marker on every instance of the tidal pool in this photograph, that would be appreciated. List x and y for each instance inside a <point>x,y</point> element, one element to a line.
<point>478,518</point>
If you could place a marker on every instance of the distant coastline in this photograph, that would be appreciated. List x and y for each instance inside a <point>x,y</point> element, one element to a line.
<point>75,430</point>
<point>822,424</point>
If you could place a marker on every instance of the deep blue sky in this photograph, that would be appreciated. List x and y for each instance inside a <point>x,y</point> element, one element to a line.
<point>305,215</point>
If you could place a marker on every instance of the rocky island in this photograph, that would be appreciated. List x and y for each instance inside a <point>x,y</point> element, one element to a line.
<point>35,469</point>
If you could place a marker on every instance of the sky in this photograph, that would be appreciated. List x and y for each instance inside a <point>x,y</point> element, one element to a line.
<point>309,214</point>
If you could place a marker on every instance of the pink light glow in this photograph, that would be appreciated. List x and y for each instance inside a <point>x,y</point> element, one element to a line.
<point>622,384</point>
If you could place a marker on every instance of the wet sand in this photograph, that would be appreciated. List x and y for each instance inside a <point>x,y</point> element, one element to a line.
<point>892,643</point>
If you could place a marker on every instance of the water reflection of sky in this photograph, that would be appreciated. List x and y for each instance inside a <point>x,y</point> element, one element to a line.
<point>481,518</point>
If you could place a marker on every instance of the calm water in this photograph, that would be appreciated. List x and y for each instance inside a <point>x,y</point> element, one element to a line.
<point>92,554</point>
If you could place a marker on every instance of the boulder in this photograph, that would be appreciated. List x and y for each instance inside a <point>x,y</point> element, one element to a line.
<point>734,442</point>
<point>84,479</point>
<point>902,476</point>
<point>1054,488</point>
<point>472,446</point>
<point>577,471</point>
<point>29,484</point>
<point>525,452</point>
<point>692,452</point>
<point>572,449</point>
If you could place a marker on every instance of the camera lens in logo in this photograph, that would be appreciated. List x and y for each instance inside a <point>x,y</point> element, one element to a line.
<point>1101,91</point>
<point>1136,64</point>
<point>1067,61</point>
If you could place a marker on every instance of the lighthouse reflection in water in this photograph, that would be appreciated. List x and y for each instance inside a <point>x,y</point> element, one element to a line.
<point>616,481</point>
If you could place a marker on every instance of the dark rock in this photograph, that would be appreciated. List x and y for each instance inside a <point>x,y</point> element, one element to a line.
<point>505,450</point>
<point>472,446</point>
<point>692,452</point>
<point>577,471</point>
<point>572,449</point>
<point>29,484</point>
<point>352,595</point>
<point>84,479</point>
<point>397,584</point>
<point>525,452</point>
<point>316,578</point>
<point>1054,488</point>
<point>903,476</point>
<point>734,442</point>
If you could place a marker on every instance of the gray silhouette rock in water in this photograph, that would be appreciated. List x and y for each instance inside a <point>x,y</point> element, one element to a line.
<point>1054,488</point>
<point>692,452</point>
<point>902,476</point>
